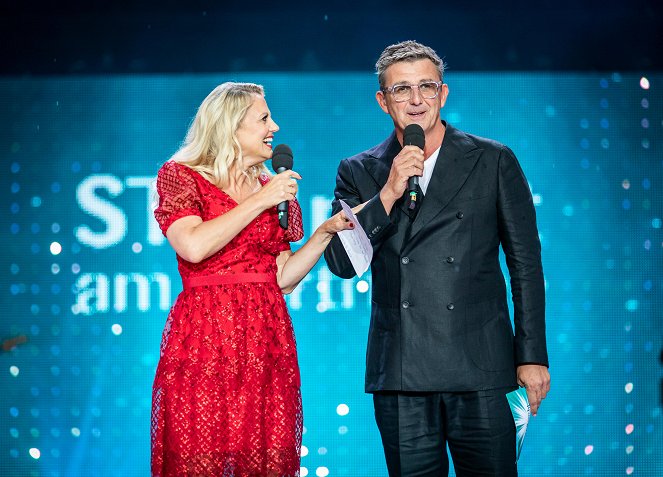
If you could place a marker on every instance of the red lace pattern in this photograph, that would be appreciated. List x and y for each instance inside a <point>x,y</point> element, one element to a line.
<point>226,396</point>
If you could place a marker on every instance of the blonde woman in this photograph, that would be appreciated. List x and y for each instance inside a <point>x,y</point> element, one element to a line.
<point>226,396</point>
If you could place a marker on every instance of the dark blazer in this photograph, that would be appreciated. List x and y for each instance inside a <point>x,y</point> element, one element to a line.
<point>439,318</point>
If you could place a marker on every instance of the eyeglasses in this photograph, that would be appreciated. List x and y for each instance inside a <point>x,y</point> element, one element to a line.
<point>403,92</point>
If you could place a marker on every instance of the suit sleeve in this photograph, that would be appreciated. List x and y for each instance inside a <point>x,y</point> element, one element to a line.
<point>520,240</point>
<point>373,219</point>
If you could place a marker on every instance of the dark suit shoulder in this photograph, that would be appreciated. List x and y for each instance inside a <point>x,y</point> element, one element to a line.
<point>386,148</point>
<point>479,142</point>
<point>359,158</point>
<point>486,143</point>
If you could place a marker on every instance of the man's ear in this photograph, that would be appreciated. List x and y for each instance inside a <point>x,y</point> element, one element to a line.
<point>444,92</point>
<point>382,101</point>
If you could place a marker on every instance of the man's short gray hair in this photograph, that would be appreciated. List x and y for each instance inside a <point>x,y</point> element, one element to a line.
<point>406,51</point>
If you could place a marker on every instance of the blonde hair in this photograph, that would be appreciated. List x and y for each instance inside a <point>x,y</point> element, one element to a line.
<point>211,146</point>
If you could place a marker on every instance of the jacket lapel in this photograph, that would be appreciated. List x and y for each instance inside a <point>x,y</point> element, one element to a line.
<point>457,158</point>
<point>379,163</point>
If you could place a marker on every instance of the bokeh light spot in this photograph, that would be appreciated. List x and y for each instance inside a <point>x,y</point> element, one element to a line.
<point>362,286</point>
<point>55,248</point>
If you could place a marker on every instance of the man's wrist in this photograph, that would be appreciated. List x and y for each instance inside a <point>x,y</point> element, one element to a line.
<point>388,200</point>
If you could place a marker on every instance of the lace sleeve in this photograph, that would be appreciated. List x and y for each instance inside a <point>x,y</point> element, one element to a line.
<point>178,195</point>
<point>295,230</point>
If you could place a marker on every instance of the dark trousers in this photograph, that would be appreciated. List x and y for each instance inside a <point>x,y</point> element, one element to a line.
<point>477,426</point>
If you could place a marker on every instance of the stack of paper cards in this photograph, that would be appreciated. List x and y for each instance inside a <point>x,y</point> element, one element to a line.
<point>356,243</point>
<point>521,413</point>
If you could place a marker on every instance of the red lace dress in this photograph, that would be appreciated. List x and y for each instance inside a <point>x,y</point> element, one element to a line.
<point>226,397</point>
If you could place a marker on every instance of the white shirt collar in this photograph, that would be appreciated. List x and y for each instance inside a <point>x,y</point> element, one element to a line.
<point>429,164</point>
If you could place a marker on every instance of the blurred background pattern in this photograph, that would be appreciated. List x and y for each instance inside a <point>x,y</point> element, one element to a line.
<point>93,98</point>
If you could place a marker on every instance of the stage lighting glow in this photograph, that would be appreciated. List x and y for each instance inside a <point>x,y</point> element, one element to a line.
<point>362,286</point>
<point>590,147</point>
<point>56,248</point>
<point>342,409</point>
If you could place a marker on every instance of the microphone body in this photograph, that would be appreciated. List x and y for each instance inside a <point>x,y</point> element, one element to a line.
<point>282,161</point>
<point>413,135</point>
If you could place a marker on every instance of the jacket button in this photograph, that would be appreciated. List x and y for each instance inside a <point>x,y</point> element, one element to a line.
<point>450,260</point>
<point>405,260</point>
<point>405,304</point>
<point>459,215</point>
<point>450,306</point>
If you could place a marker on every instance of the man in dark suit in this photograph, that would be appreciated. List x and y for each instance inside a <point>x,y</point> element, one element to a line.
<point>441,350</point>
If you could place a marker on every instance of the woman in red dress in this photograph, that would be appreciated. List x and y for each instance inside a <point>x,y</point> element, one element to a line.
<point>226,396</point>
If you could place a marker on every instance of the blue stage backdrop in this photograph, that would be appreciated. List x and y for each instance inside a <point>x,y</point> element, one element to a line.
<point>88,279</point>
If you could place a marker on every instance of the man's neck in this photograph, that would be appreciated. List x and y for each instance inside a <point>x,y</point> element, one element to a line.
<point>434,140</point>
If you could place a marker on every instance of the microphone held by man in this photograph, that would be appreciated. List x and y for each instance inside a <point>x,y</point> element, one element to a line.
<point>413,135</point>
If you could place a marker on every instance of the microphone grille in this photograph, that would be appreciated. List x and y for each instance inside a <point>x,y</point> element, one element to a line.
<point>413,135</point>
<point>282,157</point>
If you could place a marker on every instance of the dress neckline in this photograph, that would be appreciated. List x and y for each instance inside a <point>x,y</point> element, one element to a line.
<point>262,180</point>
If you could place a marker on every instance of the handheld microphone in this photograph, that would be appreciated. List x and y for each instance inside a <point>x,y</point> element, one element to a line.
<point>413,135</point>
<point>282,161</point>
